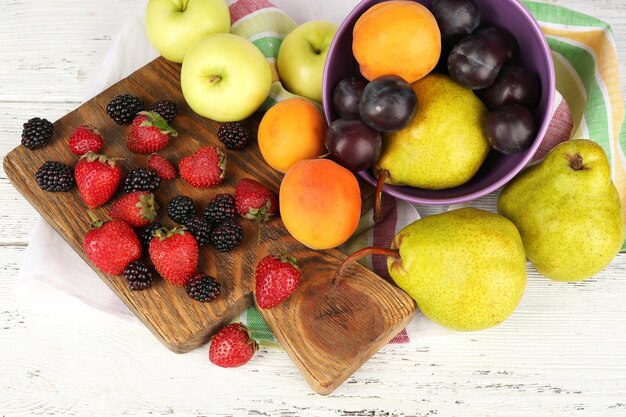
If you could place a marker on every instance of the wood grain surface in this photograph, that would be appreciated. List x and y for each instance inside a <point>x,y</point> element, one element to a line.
<point>181,323</point>
<point>563,352</point>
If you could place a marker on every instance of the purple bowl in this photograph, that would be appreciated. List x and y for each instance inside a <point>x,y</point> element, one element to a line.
<point>498,169</point>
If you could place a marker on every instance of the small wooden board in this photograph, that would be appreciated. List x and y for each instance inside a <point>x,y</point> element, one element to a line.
<point>328,331</point>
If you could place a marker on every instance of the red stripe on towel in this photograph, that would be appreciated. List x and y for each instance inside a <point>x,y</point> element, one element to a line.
<point>243,8</point>
<point>559,130</point>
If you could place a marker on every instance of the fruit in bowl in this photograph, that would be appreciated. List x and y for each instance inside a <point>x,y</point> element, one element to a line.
<point>444,145</point>
<point>396,38</point>
<point>519,71</point>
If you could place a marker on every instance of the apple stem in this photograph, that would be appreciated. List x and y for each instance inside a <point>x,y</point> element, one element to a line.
<point>215,79</point>
<point>370,250</point>
<point>378,198</point>
<point>576,161</point>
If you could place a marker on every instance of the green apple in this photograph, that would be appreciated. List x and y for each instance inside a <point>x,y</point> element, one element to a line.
<point>301,58</point>
<point>174,26</point>
<point>225,77</point>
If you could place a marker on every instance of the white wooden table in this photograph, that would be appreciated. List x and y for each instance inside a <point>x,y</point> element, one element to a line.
<point>562,353</point>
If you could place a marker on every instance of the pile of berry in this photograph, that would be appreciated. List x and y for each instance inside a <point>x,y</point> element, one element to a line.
<point>133,243</point>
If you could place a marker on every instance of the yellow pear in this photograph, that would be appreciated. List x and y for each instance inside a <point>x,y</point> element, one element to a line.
<point>444,145</point>
<point>568,211</point>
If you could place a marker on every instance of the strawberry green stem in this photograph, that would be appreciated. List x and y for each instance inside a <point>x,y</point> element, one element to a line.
<point>96,223</point>
<point>371,250</point>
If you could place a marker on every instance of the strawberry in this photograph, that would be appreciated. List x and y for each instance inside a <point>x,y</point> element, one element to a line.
<point>232,346</point>
<point>276,278</point>
<point>85,139</point>
<point>149,133</point>
<point>174,254</point>
<point>137,209</point>
<point>97,177</point>
<point>204,168</point>
<point>162,166</point>
<point>111,246</point>
<point>255,201</point>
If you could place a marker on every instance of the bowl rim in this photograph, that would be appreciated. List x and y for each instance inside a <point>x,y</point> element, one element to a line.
<point>396,191</point>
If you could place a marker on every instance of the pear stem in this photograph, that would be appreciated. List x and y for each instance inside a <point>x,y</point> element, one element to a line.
<point>371,250</point>
<point>378,199</point>
<point>576,161</point>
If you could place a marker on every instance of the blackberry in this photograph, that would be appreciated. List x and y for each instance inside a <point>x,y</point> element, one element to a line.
<point>203,288</point>
<point>200,229</point>
<point>220,209</point>
<point>166,108</point>
<point>141,179</point>
<point>37,133</point>
<point>124,108</point>
<point>138,275</point>
<point>55,176</point>
<point>234,135</point>
<point>180,209</point>
<point>146,233</point>
<point>227,236</point>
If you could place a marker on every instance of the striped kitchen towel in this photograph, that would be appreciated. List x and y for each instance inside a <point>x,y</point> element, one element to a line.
<point>588,104</point>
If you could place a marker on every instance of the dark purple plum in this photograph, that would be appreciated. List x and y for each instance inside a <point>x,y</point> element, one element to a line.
<point>475,61</point>
<point>388,104</point>
<point>456,18</point>
<point>353,144</point>
<point>347,96</point>
<point>510,129</point>
<point>514,85</point>
<point>504,38</point>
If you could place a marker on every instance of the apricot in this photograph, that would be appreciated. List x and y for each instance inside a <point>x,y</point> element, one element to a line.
<point>320,203</point>
<point>396,38</point>
<point>291,131</point>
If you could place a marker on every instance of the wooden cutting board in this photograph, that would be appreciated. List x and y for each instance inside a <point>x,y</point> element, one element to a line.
<point>329,331</point>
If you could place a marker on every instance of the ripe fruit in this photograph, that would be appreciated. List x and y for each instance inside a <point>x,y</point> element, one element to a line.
<point>455,18</point>
<point>174,254</point>
<point>226,236</point>
<point>111,246</point>
<point>255,201</point>
<point>97,177</point>
<point>138,275</point>
<point>291,131</point>
<point>123,108</point>
<point>220,209</point>
<point>353,144</point>
<point>200,229</point>
<point>503,38</point>
<point>181,208</point>
<point>232,346</point>
<point>145,236</point>
<point>396,38</point>
<point>149,133</point>
<point>203,288</point>
<point>510,129</point>
<point>141,179</point>
<point>320,203</point>
<point>37,133</point>
<point>388,104</point>
<point>85,139</point>
<point>347,96</point>
<point>275,279</point>
<point>166,108</point>
<point>234,135</point>
<point>475,61</point>
<point>137,209</point>
<point>164,168</point>
<point>204,168</point>
<point>514,85</point>
<point>55,176</point>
